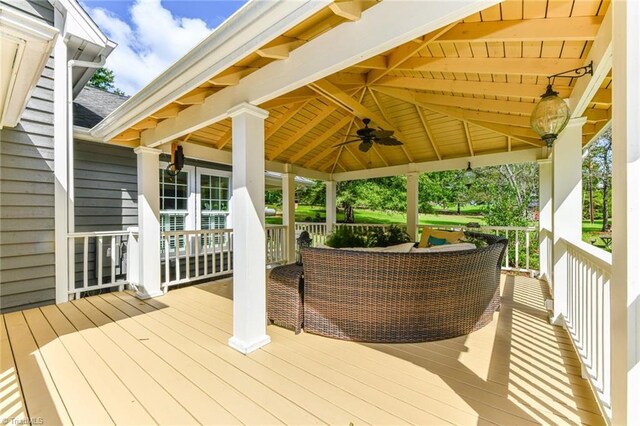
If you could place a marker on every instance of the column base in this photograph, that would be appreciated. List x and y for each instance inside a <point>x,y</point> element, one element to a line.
<point>248,347</point>
<point>141,293</point>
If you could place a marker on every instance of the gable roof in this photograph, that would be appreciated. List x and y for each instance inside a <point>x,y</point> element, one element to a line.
<point>92,105</point>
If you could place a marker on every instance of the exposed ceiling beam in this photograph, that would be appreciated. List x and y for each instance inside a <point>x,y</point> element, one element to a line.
<point>472,87</point>
<point>468,136</point>
<point>386,117</point>
<point>601,53</point>
<point>549,29</point>
<point>485,160</point>
<point>519,66</point>
<point>404,52</point>
<point>280,48</point>
<point>487,117</point>
<point>387,25</point>
<point>350,9</point>
<point>321,139</point>
<point>428,132</point>
<point>303,131</point>
<point>356,108</point>
<point>347,79</point>
<point>346,135</point>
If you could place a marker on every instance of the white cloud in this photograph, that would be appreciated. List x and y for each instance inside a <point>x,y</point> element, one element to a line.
<point>154,40</point>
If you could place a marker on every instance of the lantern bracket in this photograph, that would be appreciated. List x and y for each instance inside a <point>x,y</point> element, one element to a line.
<point>574,73</point>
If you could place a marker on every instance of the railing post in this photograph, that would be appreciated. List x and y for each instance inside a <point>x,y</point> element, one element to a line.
<point>412,205</point>
<point>545,218</point>
<point>330,204</point>
<point>567,208</point>
<point>289,215</point>
<point>133,256</point>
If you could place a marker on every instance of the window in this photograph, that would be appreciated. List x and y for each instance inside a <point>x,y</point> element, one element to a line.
<point>174,201</point>
<point>214,201</point>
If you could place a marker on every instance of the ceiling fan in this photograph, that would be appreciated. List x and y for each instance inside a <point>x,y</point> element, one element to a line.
<point>367,136</point>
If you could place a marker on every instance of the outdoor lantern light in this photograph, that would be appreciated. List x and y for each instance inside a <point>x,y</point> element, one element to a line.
<point>469,176</point>
<point>304,240</point>
<point>177,161</point>
<point>551,115</point>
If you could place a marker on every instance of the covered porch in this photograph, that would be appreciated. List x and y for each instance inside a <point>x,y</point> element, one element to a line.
<point>457,84</point>
<point>116,359</point>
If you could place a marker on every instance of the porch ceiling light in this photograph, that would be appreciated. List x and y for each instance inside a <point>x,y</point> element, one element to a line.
<point>469,176</point>
<point>551,115</point>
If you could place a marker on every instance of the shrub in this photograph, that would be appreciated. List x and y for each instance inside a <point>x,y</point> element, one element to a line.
<point>346,236</point>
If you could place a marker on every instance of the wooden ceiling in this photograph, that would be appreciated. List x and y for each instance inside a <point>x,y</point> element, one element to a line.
<point>464,90</point>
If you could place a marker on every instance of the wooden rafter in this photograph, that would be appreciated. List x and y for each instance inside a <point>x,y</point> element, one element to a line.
<point>127,135</point>
<point>224,139</point>
<point>147,123</point>
<point>386,117</point>
<point>508,143</point>
<point>536,30</point>
<point>342,99</point>
<point>468,137</point>
<point>271,130</point>
<point>320,139</point>
<point>346,136</point>
<point>488,117</point>
<point>231,76</point>
<point>195,97</point>
<point>428,132</point>
<point>404,52</point>
<point>169,111</point>
<point>303,131</point>
<point>280,48</point>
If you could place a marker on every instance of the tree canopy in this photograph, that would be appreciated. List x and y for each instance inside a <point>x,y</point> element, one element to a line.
<point>104,79</point>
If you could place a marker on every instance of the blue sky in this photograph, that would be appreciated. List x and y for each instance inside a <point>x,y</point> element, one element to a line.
<point>152,34</point>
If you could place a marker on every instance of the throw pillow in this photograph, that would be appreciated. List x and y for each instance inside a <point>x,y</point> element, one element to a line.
<point>433,241</point>
<point>451,236</point>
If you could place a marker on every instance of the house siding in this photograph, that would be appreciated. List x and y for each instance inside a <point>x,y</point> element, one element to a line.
<point>27,276</point>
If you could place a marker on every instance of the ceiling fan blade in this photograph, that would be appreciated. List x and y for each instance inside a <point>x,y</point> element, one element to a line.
<point>365,146</point>
<point>389,141</point>
<point>381,133</point>
<point>348,142</point>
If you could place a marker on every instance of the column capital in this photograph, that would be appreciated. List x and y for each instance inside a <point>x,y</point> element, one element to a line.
<point>577,122</point>
<point>247,108</point>
<point>147,150</point>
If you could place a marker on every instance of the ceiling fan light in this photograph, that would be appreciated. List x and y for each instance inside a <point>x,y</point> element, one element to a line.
<point>550,116</point>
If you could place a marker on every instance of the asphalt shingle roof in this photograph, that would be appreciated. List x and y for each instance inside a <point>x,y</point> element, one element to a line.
<point>92,105</point>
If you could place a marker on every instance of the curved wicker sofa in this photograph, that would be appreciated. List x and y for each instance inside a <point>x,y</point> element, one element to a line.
<point>401,297</point>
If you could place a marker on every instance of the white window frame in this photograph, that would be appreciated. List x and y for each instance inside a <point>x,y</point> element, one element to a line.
<point>200,171</point>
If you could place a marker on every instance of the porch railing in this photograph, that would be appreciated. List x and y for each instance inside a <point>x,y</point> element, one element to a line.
<point>99,260</point>
<point>276,244</point>
<point>588,318</point>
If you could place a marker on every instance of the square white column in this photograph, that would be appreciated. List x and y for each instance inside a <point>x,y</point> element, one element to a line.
<point>330,203</point>
<point>545,218</point>
<point>249,257</point>
<point>147,282</point>
<point>289,213</point>
<point>567,208</point>
<point>412,205</point>
<point>625,279</point>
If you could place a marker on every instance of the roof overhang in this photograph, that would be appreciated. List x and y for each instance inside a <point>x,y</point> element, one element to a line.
<point>26,44</point>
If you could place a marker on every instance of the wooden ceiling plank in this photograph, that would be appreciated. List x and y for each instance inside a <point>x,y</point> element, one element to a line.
<point>289,142</point>
<point>404,52</point>
<point>224,139</point>
<point>342,99</point>
<point>321,139</point>
<point>346,136</point>
<point>271,130</point>
<point>489,117</point>
<point>519,66</point>
<point>386,117</point>
<point>550,29</point>
<point>472,87</point>
<point>428,132</point>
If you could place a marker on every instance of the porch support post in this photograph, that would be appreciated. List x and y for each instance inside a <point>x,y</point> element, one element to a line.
<point>148,280</point>
<point>289,213</point>
<point>625,280</point>
<point>545,218</point>
<point>412,205</point>
<point>567,208</point>
<point>249,257</point>
<point>330,204</point>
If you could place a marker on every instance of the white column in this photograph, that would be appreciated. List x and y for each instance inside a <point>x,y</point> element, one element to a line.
<point>567,207</point>
<point>545,218</point>
<point>625,280</point>
<point>330,204</point>
<point>63,248</point>
<point>249,258</point>
<point>148,280</point>
<point>412,205</point>
<point>289,213</point>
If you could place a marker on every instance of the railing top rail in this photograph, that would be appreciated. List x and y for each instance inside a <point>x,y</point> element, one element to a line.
<point>99,234</point>
<point>196,232</point>
<point>594,254</point>
<point>275,226</point>
<point>510,228</point>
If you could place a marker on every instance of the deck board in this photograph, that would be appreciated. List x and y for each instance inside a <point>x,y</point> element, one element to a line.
<point>121,360</point>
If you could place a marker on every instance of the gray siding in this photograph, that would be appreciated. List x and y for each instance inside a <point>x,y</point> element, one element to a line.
<point>27,276</point>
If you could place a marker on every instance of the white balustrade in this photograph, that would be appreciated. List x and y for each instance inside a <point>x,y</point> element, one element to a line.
<point>276,244</point>
<point>588,318</point>
<point>99,261</point>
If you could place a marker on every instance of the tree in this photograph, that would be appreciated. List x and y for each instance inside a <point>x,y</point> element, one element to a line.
<point>104,79</point>
<point>596,169</point>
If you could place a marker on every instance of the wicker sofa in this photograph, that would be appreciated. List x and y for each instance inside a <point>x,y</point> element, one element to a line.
<point>398,297</point>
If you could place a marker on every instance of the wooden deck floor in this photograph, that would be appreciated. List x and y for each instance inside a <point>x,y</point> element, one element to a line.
<point>115,359</point>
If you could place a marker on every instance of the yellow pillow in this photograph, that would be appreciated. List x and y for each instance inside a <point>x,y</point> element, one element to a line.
<point>452,237</point>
